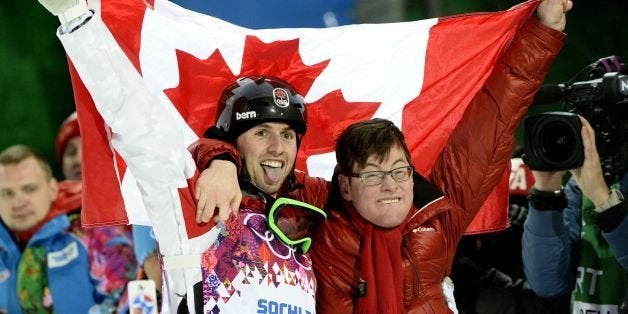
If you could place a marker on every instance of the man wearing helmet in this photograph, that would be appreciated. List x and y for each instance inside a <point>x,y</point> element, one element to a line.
<point>264,118</point>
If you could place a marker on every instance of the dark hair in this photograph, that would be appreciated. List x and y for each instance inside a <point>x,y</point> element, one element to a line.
<point>364,139</point>
<point>355,145</point>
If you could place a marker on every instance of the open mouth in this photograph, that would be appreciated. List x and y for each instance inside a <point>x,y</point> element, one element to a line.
<point>273,169</point>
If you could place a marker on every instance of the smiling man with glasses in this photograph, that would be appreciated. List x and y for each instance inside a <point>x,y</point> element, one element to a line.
<point>388,243</point>
<point>381,196</point>
<point>377,177</point>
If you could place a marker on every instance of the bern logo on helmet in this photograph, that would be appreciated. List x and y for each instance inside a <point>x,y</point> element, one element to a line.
<point>281,98</point>
<point>246,115</point>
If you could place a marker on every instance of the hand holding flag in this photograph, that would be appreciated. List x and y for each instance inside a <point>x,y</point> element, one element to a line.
<point>65,10</point>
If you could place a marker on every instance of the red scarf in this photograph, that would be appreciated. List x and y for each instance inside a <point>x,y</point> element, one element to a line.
<point>380,265</point>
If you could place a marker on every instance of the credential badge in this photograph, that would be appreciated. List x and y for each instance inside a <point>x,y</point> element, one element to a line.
<point>281,98</point>
<point>4,275</point>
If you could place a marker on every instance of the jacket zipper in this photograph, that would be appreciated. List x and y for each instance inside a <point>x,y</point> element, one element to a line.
<point>416,286</point>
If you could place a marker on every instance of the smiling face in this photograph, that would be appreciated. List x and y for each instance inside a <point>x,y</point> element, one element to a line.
<point>269,151</point>
<point>71,159</point>
<point>386,204</point>
<point>26,194</point>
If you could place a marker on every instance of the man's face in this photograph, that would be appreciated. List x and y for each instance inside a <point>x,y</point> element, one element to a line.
<point>71,160</point>
<point>386,204</point>
<point>26,194</point>
<point>268,151</point>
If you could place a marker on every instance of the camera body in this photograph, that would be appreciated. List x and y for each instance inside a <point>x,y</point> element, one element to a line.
<point>553,140</point>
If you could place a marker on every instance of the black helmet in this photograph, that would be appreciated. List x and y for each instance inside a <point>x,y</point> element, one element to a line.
<point>253,100</point>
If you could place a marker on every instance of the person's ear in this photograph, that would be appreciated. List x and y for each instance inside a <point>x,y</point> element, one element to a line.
<point>53,186</point>
<point>343,182</point>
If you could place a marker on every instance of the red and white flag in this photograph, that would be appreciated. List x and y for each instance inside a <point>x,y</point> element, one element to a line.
<point>147,76</point>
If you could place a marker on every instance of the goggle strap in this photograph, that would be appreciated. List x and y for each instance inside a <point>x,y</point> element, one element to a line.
<point>304,243</point>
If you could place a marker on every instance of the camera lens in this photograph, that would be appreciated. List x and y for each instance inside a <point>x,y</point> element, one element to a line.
<point>552,141</point>
<point>557,141</point>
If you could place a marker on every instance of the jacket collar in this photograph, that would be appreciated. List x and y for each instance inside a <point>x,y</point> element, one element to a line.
<point>50,228</point>
<point>425,194</point>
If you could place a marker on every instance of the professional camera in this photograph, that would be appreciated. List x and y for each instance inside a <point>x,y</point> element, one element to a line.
<point>553,140</point>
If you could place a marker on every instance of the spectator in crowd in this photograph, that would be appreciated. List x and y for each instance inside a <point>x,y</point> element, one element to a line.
<point>110,248</point>
<point>44,266</point>
<point>68,144</point>
<point>69,152</point>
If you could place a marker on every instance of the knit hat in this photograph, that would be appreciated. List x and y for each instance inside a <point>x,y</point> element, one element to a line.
<point>69,129</point>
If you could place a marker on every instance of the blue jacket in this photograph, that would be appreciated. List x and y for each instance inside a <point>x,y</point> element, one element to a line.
<point>551,239</point>
<point>72,288</point>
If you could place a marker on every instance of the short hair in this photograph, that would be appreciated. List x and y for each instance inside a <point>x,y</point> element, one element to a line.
<point>15,154</point>
<point>368,138</point>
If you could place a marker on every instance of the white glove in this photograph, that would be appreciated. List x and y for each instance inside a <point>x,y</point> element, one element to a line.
<point>66,10</point>
<point>448,290</point>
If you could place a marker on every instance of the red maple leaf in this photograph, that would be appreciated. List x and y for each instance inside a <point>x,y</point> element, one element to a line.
<point>202,81</point>
<point>200,86</point>
<point>327,118</point>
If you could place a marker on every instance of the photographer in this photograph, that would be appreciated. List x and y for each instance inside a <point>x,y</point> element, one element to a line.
<point>575,239</point>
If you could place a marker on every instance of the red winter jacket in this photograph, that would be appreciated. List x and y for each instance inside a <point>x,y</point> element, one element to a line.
<point>470,166</point>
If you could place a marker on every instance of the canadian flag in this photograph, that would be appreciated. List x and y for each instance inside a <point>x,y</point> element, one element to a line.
<point>147,76</point>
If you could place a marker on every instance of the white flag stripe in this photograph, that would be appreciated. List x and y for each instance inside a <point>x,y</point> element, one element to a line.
<point>160,161</point>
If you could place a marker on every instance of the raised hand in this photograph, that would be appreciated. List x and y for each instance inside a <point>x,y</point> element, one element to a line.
<point>590,177</point>
<point>551,13</point>
<point>65,10</point>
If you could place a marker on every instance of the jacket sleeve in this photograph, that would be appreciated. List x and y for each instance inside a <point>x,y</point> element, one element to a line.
<point>549,239</point>
<point>478,151</point>
<point>112,264</point>
<point>617,241</point>
<point>329,300</point>
<point>617,238</point>
<point>205,150</point>
<point>315,191</point>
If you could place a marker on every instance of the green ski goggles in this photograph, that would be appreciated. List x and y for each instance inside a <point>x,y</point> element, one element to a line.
<point>294,222</point>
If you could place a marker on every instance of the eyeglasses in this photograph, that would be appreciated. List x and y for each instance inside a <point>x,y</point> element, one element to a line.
<point>371,178</point>
<point>294,222</point>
